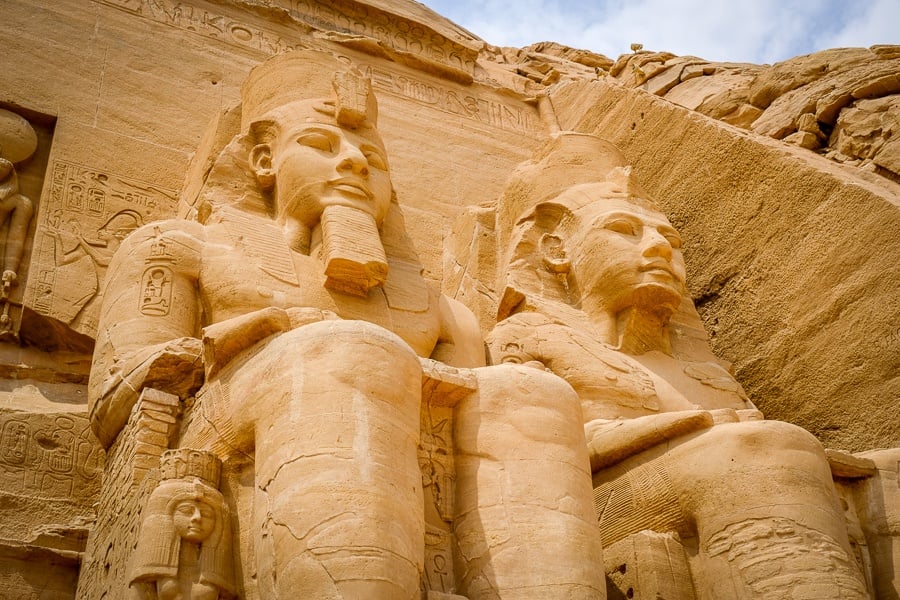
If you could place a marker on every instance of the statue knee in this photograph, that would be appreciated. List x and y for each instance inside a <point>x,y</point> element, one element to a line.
<point>754,466</point>
<point>354,353</point>
<point>346,338</point>
<point>762,441</point>
<point>517,404</point>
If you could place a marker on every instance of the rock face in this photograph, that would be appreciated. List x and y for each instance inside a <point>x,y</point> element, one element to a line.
<point>840,103</point>
<point>337,298</point>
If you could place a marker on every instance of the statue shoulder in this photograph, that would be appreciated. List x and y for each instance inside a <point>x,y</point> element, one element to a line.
<point>516,338</point>
<point>522,326</point>
<point>189,233</point>
<point>460,342</point>
<point>174,241</point>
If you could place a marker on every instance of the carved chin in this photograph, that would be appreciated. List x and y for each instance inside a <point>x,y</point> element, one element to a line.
<point>658,298</point>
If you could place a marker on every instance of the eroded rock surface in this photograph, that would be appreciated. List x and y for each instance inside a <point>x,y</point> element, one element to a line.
<point>851,93</point>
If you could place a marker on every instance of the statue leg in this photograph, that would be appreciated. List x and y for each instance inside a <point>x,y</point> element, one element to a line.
<point>524,521</point>
<point>338,504</point>
<point>768,520</point>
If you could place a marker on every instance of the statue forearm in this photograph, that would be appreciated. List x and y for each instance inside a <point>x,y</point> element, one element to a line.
<point>148,334</point>
<point>175,367</point>
<point>612,441</point>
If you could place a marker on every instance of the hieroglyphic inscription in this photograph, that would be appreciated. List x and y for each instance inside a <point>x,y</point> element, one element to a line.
<point>48,456</point>
<point>399,33</point>
<point>395,31</point>
<point>438,481</point>
<point>208,23</point>
<point>766,555</point>
<point>344,16</point>
<point>519,118</point>
<point>86,216</point>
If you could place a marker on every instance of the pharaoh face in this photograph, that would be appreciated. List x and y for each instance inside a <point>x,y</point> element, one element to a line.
<point>316,163</point>
<point>626,255</point>
<point>194,520</point>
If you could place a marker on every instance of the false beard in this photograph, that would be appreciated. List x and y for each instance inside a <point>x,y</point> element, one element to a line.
<point>352,251</point>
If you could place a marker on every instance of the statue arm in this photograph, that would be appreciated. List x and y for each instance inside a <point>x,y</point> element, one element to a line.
<point>612,441</point>
<point>459,343</point>
<point>149,324</point>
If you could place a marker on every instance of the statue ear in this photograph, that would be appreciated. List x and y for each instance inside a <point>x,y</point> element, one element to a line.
<point>553,253</point>
<point>261,164</point>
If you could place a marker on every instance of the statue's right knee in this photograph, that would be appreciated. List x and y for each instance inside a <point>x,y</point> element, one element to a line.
<point>760,441</point>
<point>352,352</point>
<point>530,403</point>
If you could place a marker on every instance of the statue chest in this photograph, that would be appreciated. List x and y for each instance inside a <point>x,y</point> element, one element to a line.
<point>234,282</point>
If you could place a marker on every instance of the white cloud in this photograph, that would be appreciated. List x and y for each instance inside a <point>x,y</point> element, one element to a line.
<point>870,23</point>
<point>757,31</point>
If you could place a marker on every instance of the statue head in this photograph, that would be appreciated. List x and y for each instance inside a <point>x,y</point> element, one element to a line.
<point>319,159</point>
<point>18,140</point>
<point>303,150</point>
<point>194,519</point>
<point>185,507</point>
<point>309,156</point>
<point>587,236</point>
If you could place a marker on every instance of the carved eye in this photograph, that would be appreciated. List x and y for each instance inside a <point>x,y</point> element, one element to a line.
<point>672,237</point>
<point>317,140</point>
<point>375,158</point>
<point>620,226</point>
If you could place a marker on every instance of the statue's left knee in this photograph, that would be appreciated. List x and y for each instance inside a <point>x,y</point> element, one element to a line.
<point>765,437</point>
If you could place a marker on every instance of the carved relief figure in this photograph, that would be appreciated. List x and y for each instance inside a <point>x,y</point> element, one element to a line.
<point>18,142</point>
<point>184,550</point>
<point>594,292</point>
<point>298,316</point>
<point>70,246</point>
<point>102,249</point>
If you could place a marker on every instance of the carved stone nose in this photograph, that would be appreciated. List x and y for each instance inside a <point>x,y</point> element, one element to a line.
<point>656,244</point>
<point>354,160</point>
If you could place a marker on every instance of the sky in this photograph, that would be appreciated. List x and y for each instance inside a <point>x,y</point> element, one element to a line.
<point>754,31</point>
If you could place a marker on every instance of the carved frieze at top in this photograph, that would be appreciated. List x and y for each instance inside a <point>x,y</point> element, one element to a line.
<point>355,24</point>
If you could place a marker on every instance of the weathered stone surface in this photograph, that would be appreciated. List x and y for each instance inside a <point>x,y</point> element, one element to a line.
<point>136,109</point>
<point>866,130</point>
<point>769,99</point>
<point>744,234</point>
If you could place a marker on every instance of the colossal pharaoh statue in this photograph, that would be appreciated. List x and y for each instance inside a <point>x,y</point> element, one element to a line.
<point>594,292</point>
<point>294,320</point>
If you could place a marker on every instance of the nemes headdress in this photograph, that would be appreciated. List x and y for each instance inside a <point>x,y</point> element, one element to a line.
<point>346,97</point>
<point>586,166</point>
<point>566,160</point>
<point>325,88</point>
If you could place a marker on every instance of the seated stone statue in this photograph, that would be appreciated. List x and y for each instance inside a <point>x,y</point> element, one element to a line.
<point>297,318</point>
<point>595,292</point>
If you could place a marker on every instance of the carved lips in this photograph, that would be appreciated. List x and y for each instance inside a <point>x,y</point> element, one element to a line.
<point>660,267</point>
<point>352,186</point>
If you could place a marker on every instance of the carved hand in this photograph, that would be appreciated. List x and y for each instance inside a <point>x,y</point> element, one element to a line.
<point>612,441</point>
<point>174,366</point>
